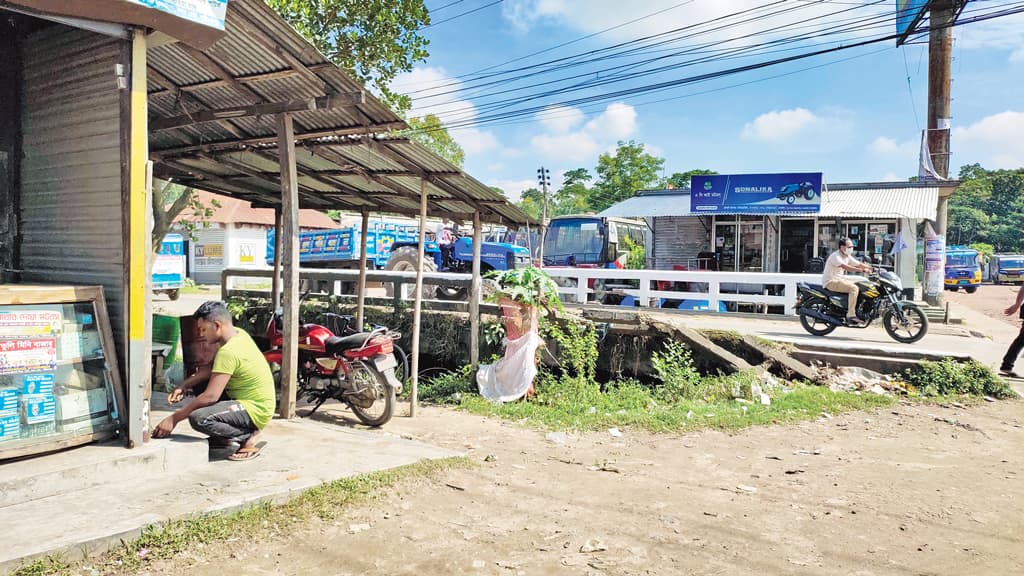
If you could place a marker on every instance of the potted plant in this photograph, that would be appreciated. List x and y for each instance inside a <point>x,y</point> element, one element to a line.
<point>522,293</point>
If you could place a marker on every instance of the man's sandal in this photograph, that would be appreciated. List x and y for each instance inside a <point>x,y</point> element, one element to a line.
<point>247,453</point>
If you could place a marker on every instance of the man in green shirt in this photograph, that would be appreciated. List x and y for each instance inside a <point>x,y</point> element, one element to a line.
<point>239,399</point>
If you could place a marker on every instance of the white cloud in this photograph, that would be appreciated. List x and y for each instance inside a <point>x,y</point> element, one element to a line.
<point>513,188</point>
<point>994,141</point>
<point>563,144</point>
<point>560,119</point>
<point>885,146</point>
<point>1003,34</point>
<point>781,125</point>
<point>891,177</point>
<point>434,92</point>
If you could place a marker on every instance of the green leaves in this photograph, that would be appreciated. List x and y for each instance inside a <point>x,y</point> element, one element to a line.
<point>531,286</point>
<point>429,131</point>
<point>374,40</point>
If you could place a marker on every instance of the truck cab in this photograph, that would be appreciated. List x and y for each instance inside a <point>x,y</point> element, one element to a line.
<point>1007,268</point>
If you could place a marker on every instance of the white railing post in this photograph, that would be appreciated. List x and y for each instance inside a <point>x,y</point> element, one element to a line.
<point>645,289</point>
<point>581,289</point>
<point>713,287</point>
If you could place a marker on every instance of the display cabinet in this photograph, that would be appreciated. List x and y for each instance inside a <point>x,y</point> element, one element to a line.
<point>59,380</point>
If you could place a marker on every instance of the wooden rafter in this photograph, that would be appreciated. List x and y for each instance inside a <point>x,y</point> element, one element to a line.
<point>263,109</point>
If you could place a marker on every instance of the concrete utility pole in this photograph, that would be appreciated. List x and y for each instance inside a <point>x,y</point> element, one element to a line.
<point>544,179</point>
<point>940,49</point>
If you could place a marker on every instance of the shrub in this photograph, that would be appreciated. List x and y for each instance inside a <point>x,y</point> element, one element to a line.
<point>679,378</point>
<point>951,377</point>
<point>449,387</point>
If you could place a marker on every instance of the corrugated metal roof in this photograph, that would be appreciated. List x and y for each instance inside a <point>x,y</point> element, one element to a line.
<point>871,200</point>
<point>345,160</point>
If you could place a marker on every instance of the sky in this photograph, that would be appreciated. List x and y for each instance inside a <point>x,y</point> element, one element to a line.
<point>577,74</point>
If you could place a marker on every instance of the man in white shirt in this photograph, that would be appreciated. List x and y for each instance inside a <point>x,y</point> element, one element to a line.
<point>838,264</point>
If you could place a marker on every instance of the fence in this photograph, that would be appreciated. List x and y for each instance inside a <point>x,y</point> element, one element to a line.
<point>698,290</point>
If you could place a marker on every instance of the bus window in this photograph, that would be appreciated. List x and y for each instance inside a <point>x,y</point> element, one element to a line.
<point>574,241</point>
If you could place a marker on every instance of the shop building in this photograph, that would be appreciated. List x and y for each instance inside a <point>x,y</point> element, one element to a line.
<point>881,218</point>
<point>97,98</point>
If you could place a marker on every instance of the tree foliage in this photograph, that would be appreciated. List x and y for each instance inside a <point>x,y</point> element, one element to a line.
<point>374,40</point>
<point>988,208</point>
<point>681,180</point>
<point>621,174</point>
<point>429,131</point>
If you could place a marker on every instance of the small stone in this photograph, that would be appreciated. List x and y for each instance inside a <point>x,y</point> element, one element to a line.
<point>356,528</point>
<point>615,432</point>
<point>593,545</point>
<point>490,458</point>
<point>744,488</point>
<point>556,437</point>
<point>478,564</point>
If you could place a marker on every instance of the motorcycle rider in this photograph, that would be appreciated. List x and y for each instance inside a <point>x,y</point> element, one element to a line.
<point>838,264</point>
<point>239,399</point>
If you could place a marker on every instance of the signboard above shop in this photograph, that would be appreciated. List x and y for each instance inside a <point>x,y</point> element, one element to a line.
<point>206,12</point>
<point>756,193</point>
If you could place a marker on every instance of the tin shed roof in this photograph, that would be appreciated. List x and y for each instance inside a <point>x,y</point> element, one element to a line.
<point>915,200</point>
<point>212,126</point>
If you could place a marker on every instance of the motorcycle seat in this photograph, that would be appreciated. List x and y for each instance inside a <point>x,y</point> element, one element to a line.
<point>826,291</point>
<point>338,344</point>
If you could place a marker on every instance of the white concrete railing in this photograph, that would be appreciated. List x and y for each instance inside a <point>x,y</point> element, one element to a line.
<point>759,288</point>
<point>765,288</point>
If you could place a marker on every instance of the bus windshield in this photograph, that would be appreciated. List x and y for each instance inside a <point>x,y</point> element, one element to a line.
<point>1011,262</point>
<point>574,241</point>
<point>961,259</point>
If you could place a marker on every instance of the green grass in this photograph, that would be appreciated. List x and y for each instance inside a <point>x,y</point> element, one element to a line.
<point>169,539</point>
<point>804,403</point>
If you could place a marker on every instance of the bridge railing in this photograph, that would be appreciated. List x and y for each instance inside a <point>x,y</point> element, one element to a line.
<point>699,290</point>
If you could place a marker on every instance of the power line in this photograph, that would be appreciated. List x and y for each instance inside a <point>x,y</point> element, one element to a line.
<point>447,5</point>
<point>1008,9</point>
<point>432,24</point>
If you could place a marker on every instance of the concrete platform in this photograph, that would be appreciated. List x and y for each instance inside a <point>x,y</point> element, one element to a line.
<point>83,500</point>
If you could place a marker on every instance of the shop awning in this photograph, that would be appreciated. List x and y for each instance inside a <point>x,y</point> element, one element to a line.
<point>212,126</point>
<point>917,201</point>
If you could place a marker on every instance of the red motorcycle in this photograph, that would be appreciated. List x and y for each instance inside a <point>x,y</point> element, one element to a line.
<point>358,370</point>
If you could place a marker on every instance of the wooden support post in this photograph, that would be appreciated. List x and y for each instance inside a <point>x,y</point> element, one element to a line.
<point>275,283</point>
<point>361,302</point>
<point>290,261</point>
<point>474,296</point>
<point>418,301</point>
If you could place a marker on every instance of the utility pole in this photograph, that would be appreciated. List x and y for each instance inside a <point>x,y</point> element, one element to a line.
<point>544,178</point>
<point>940,49</point>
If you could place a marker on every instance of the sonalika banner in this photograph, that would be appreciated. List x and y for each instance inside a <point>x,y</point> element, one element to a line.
<point>756,193</point>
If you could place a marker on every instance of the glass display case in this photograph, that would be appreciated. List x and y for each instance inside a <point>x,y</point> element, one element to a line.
<point>59,383</point>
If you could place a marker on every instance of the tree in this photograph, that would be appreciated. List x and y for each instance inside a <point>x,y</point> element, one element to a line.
<point>573,196</point>
<point>429,132</point>
<point>681,180</point>
<point>372,39</point>
<point>988,207</point>
<point>623,173</point>
<point>170,200</point>
<point>532,202</point>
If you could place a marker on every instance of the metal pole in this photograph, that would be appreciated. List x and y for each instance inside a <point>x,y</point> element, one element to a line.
<point>474,295</point>
<point>418,301</point>
<point>290,261</point>
<point>543,176</point>
<point>940,48</point>
<point>275,284</point>
<point>360,304</point>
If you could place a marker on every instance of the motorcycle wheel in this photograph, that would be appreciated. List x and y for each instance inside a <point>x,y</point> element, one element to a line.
<point>815,326</point>
<point>914,329</point>
<point>378,413</point>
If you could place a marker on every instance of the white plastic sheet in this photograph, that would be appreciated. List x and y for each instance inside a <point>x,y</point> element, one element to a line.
<point>510,377</point>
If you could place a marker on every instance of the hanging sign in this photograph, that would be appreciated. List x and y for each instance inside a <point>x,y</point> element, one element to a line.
<point>206,12</point>
<point>756,193</point>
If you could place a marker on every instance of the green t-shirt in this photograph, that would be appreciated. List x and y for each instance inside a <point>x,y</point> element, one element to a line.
<point>251,383</point>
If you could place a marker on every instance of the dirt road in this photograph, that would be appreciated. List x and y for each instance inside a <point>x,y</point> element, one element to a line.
<point>895,491</point>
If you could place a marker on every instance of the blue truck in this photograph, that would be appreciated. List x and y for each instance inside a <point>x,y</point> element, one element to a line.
<point>168,274</point>
<point>395,247</point>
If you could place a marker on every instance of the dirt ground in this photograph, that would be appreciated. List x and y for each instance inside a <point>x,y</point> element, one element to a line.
<point>902,490</point>
<point>989,300</point>
<point>907,490</point>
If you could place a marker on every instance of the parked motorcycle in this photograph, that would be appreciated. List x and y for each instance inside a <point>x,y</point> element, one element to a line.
<point>358,370</point>
<point>881,296</point>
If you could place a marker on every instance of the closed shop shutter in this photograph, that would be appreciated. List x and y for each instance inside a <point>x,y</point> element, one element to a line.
<point>71,230</point>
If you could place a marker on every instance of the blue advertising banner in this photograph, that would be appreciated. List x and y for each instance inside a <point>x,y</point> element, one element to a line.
<point>907,12</point>
<point>206,12</point>
<point>756,193</point>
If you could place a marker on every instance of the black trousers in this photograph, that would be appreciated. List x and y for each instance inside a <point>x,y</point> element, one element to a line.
<point>1015,349</point>
<point>224,421</point>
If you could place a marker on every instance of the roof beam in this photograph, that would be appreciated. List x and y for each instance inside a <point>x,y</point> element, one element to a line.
<point>173,88</point>
<point>250,78</point>
<point>226,187</point>
<point>204,116</point>
<point>261,38</point>
<point>242,142</point>
<point>220,72</point>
